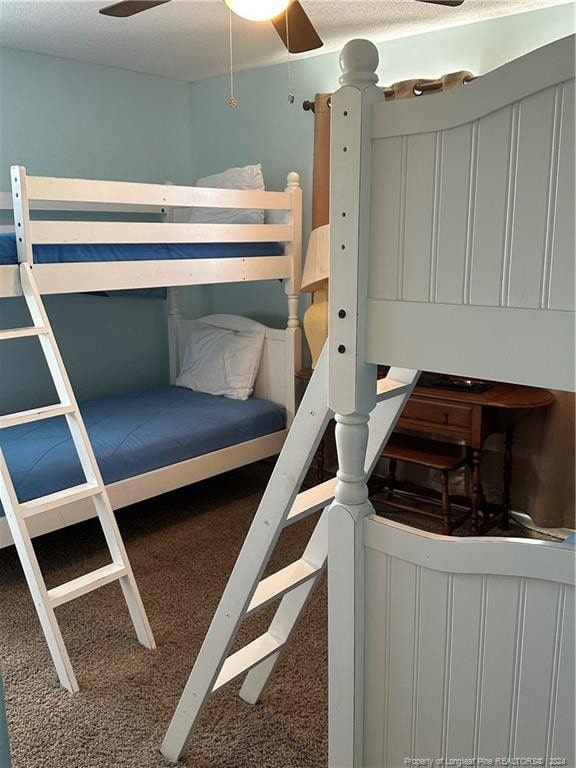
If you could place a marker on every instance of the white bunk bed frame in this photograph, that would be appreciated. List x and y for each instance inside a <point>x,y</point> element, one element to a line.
<point>275,380</point>
<point>452,249</point>
<point>281,356</point>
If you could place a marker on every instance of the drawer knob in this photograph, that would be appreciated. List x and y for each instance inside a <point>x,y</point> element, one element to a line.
<point>445,416</point>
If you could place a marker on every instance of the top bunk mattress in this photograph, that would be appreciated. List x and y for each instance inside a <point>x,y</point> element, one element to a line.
<point>78,252</point>
<point>132,434</point>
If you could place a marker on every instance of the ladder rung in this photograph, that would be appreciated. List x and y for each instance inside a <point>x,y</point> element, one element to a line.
<point>311,500</point>
<point>58,499</point>
<point>87,583</point>
<point>246,658</point>
<point>35,414</point>
<point>277,584</point>
<point>21,333</point>
<point>387,388</point>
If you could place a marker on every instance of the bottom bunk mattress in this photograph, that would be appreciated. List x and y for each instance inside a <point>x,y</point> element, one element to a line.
<point>132,434</point>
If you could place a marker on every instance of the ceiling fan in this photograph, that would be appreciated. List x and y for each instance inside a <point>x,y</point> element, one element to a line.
<point>288,17</point>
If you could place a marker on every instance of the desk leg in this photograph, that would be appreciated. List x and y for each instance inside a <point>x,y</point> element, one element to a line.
<point>391,479</point>
<point>507,477</point>
<point>476,490</point>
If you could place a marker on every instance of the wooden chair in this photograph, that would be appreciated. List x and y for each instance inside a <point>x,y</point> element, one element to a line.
<point>440,456</point>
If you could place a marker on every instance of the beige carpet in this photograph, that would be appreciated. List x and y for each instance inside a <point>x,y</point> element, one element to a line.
<point>182,547</point>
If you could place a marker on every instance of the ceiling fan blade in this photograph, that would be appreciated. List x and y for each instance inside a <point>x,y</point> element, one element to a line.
<point>451,3</point>
<point>303,37</point>
<point>130,7</point>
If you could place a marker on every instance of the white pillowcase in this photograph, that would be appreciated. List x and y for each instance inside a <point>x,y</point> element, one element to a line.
<point>222,356</point>
<point>248,177</point>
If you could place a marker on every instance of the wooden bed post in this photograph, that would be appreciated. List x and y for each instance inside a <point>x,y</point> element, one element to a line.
<point>21,214</point>
<point>292,291</point>
<point>174,318</point>
<point>352,393</point>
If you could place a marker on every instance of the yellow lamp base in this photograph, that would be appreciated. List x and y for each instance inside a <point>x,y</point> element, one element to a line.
<point>316,324</point>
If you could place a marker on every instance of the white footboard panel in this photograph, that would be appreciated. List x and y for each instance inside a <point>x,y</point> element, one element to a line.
<point>472,226</point>
<point>469,649</point>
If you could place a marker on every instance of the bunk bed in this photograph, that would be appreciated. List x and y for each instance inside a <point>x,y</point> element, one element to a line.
<point>70,256</point>
<point>451,249</point>
<point>63,463</point>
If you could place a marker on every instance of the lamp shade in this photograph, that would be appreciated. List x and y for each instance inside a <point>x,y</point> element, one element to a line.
<point>257,10</point>
<point>317,266</point>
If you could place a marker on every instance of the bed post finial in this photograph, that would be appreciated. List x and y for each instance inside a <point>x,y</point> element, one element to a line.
<point>293,180</point>
<point>294,248</point>
<point>359,62</point>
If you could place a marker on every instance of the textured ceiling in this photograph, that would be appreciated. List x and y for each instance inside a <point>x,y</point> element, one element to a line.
<point>188,39</point>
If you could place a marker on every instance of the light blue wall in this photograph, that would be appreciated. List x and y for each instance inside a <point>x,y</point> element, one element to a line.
<point>66,118</point>
<point>72,119</point>
<point>265,128</point>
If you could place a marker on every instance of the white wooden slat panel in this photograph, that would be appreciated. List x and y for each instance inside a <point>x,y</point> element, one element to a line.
<point>493,160</point>
<point>465,646</point>
<point>533,685</point>
<point>387,215</point>
<point>430,663</point>
<point>418,225</point>
<point>63,232</point>
<point>424,336</point>
<point>504,601</point>
<point>561,725</point>
<point>45,188</point>
<point>104,207</point>
<point>455,214</point>
<point>530,201</point>
<point>125,275</point>
<point>400,676</point>
<point>562,278</point>
<point>10,281</point>
<point>376,654</point>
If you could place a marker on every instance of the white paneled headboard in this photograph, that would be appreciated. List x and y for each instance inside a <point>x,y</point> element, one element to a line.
<point>469,215</point>
<point>280,360</point>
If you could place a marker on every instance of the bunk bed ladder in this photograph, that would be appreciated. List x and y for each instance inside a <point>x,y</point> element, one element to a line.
<point>17,513</point>
<point>247,592</point>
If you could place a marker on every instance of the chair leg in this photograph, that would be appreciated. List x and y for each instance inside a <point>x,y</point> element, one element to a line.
<point>477,492</point>
<point>391,479</point>
<point>447,523</point>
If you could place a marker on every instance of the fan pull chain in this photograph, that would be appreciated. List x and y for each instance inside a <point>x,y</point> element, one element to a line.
<point>289,63</point>
<point>232,100</point>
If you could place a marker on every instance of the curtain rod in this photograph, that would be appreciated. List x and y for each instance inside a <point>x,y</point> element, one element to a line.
<point>419,87</point>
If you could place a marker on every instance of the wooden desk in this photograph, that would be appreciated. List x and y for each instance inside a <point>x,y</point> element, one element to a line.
<point>472,418</point>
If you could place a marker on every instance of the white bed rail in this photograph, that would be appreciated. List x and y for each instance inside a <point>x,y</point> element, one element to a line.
<point>38,189</point>
<point>55,196</point>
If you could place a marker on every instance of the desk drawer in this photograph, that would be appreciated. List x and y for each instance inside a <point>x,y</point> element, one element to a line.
<point>436,412</point>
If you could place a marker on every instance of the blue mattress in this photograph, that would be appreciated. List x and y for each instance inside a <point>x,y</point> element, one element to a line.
<point>70,254</point>
<point>132,434</point>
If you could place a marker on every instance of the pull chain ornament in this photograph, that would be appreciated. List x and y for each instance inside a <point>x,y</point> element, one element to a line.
<point>232,100</point>
<point>290,89</point>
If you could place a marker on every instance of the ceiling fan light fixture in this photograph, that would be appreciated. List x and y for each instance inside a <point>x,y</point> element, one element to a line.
<point>257,10</point>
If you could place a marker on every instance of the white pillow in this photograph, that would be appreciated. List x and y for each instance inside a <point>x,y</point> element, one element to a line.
<point>248,177</point>
<point>222,356</point>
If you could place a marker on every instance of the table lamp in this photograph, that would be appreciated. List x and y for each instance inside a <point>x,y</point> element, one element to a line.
<point>315,281</point>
